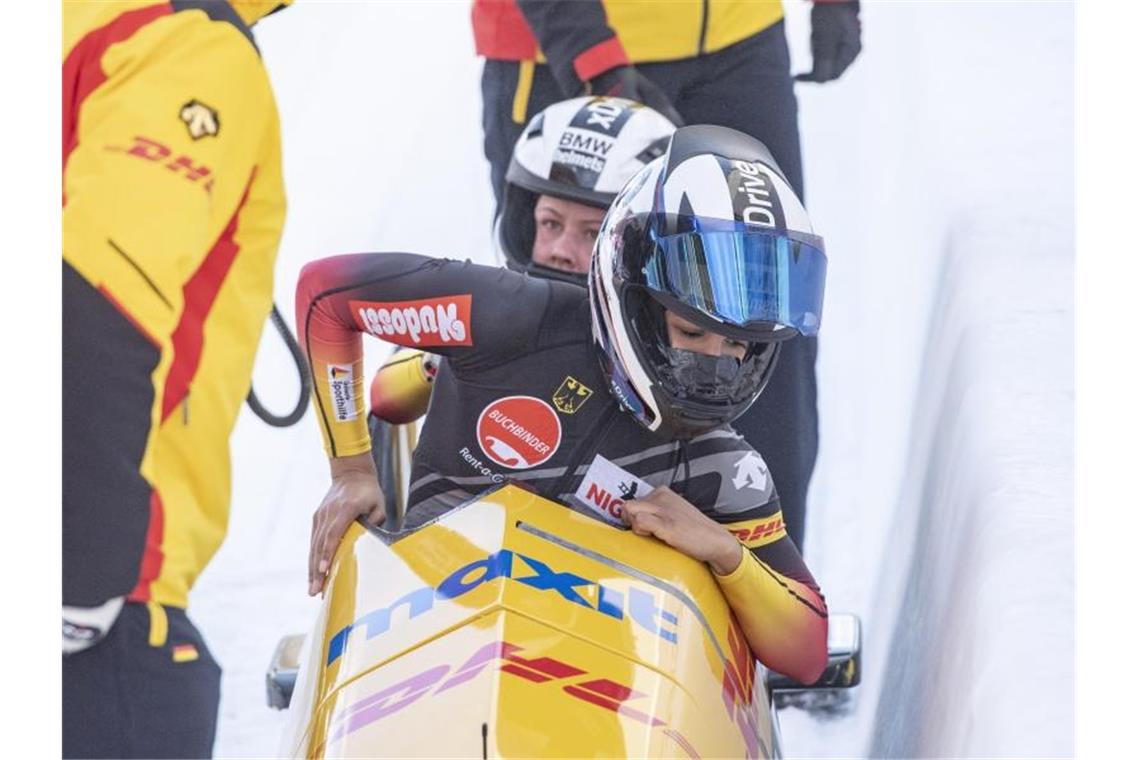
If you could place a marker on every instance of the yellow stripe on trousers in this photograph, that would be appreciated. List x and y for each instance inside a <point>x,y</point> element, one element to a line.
<point>522,91</point>
<point>159,626</point>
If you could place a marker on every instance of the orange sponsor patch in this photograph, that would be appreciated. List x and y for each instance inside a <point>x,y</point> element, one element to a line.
<point>519,431</point>
<point>442,321</point>
<point>184,653</point>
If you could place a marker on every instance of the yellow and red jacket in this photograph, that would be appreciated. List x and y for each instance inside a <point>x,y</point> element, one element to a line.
<point>582,39</point>
<point>173,206</point>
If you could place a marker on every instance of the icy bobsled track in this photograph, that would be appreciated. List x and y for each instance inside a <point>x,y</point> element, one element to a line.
<point>942,509</point>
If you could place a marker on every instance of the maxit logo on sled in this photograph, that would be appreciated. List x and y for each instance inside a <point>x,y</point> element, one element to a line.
<point>340,391</point>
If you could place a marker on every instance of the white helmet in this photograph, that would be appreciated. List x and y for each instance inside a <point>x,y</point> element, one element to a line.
<point>712,231</point>
<point>581,150</point>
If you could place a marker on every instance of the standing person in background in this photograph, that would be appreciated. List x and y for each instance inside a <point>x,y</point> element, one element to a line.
<point>556,194</point>
<point>722,62</point>
<point>173,205</point>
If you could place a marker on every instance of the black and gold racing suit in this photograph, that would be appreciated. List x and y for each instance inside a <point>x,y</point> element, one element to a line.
<point>522,396</point>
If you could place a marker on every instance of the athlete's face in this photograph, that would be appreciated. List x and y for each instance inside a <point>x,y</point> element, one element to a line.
<point>565,232</point>
<point>687,336</point>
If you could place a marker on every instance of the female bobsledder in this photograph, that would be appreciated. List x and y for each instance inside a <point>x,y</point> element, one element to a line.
<point>704,263</point>
<point>566,169</point>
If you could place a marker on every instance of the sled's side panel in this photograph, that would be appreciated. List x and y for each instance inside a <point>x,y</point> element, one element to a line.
<point>538,692</point>
<point>515,578</point>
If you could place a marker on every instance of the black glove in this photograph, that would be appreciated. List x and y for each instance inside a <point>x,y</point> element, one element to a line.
<point>628,82</point>
<point>835,41</point>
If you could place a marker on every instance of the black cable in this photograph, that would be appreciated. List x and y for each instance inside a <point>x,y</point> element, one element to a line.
<point>302,371</point>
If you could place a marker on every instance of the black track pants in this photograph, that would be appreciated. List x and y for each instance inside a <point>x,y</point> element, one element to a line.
<point>127,697</point>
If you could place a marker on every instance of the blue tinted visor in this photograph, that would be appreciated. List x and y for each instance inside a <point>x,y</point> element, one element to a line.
<point>743,276</point>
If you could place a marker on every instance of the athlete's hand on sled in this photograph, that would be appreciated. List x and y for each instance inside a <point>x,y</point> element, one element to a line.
<point>355,491</point>
<point>669,517</point>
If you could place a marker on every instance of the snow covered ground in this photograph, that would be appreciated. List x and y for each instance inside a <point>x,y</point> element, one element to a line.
<point>940,170</point>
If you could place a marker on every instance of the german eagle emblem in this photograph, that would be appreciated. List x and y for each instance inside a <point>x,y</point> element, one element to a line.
<point>571,395</point>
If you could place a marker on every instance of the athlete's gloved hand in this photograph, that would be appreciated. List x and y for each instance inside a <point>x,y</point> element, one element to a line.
<point>355,491</point>
<point>627,82</point>
<point>668,516</point>
<point>835,33</point>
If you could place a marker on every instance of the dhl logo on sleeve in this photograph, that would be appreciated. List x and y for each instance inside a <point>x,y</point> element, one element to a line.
<point>759,532</point>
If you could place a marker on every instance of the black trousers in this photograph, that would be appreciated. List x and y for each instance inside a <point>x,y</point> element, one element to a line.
<point>747,87</point>
<point>107,399</point>
<point>125,697</point>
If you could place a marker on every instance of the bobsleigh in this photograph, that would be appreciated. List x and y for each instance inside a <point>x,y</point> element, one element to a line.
<point>514,627</point>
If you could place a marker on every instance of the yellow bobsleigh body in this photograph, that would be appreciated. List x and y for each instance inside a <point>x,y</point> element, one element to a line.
<point>514,627</point>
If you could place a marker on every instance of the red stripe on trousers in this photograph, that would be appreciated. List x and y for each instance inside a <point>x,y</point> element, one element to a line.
<point>198,296</point>
<point>83,67</point>
<point>151,563</point>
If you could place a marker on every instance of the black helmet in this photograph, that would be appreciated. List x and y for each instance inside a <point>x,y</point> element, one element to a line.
<point>582,150</point>
<point>712,231</point>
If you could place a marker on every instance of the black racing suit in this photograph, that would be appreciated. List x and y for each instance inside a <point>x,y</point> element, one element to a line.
<point>523,396</point>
